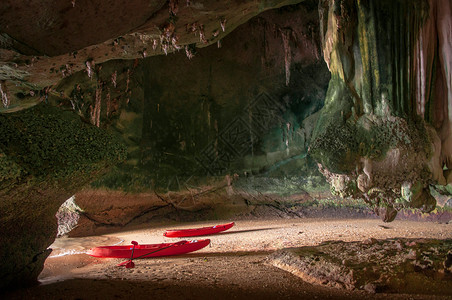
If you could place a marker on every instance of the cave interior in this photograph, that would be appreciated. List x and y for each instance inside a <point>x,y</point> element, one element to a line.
<point>144,112</point>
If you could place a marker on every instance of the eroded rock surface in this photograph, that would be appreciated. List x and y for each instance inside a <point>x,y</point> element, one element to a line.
<point>43,42</point>
<point>242,110</point>
<point>389,266</point>
<point>384,132</point>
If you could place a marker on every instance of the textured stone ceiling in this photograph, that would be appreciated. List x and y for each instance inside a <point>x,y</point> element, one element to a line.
<point>53,28</point>
<point>42,42</point>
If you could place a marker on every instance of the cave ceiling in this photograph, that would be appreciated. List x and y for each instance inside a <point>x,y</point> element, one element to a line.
<point>42,42</point>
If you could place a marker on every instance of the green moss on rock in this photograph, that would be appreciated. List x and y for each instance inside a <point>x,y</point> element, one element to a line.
<point>49,143</point>
<point>46,155</point>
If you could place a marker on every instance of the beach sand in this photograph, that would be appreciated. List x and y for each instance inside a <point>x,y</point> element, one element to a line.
<point>233,266</point>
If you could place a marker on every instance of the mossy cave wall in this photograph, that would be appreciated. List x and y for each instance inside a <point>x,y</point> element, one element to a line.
<point>46,156</point>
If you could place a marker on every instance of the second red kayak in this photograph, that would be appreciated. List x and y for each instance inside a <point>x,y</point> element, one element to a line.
<point>149,250</point>
<point>198,231</point>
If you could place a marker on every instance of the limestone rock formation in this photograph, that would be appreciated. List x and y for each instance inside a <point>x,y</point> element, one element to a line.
<point>46,156</point>
<point>384,133</point>
<point>227,110</point>
<point>244,111</point>
<point>42,42</point>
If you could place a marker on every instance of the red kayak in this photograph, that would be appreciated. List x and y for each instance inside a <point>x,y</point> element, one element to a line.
<point>149,250</point>
<point>198,231</point>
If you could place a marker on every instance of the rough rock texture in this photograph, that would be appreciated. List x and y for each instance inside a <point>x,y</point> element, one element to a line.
<point>384,132</point>
<point>42,42</point>
<point>110,211</point>
<point>68,216</point>
<point>46,155</point>
<point>389,266</point>
<point>244,110</point>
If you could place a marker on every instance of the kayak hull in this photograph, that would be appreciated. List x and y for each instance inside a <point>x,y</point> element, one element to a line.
<point>198,231</point>
<point>148,250</point>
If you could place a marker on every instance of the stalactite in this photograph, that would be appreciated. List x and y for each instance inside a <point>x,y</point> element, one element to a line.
<point>113,78</point>
<point>216,139</point>
<point>89,68</point>
<point>223,24</point>
<point>173,7</point>
<point>95,112</point>
<point>420,76</point>
<point>285,34</point>
<point>190,51</point>
<point>127,80</point>
<point>202,36</point>
<point>168,39</point>
<point>4,94</point>
<point>108,102</point>
<point>433,47</point>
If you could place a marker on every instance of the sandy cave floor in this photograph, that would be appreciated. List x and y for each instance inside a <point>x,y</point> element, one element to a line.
<point>233,266</point>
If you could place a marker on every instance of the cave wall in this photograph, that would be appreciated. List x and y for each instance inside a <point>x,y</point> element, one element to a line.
<point>246,107</point>
<point>46,155</point>
<point>234,110</point>
<point>384,132</point>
